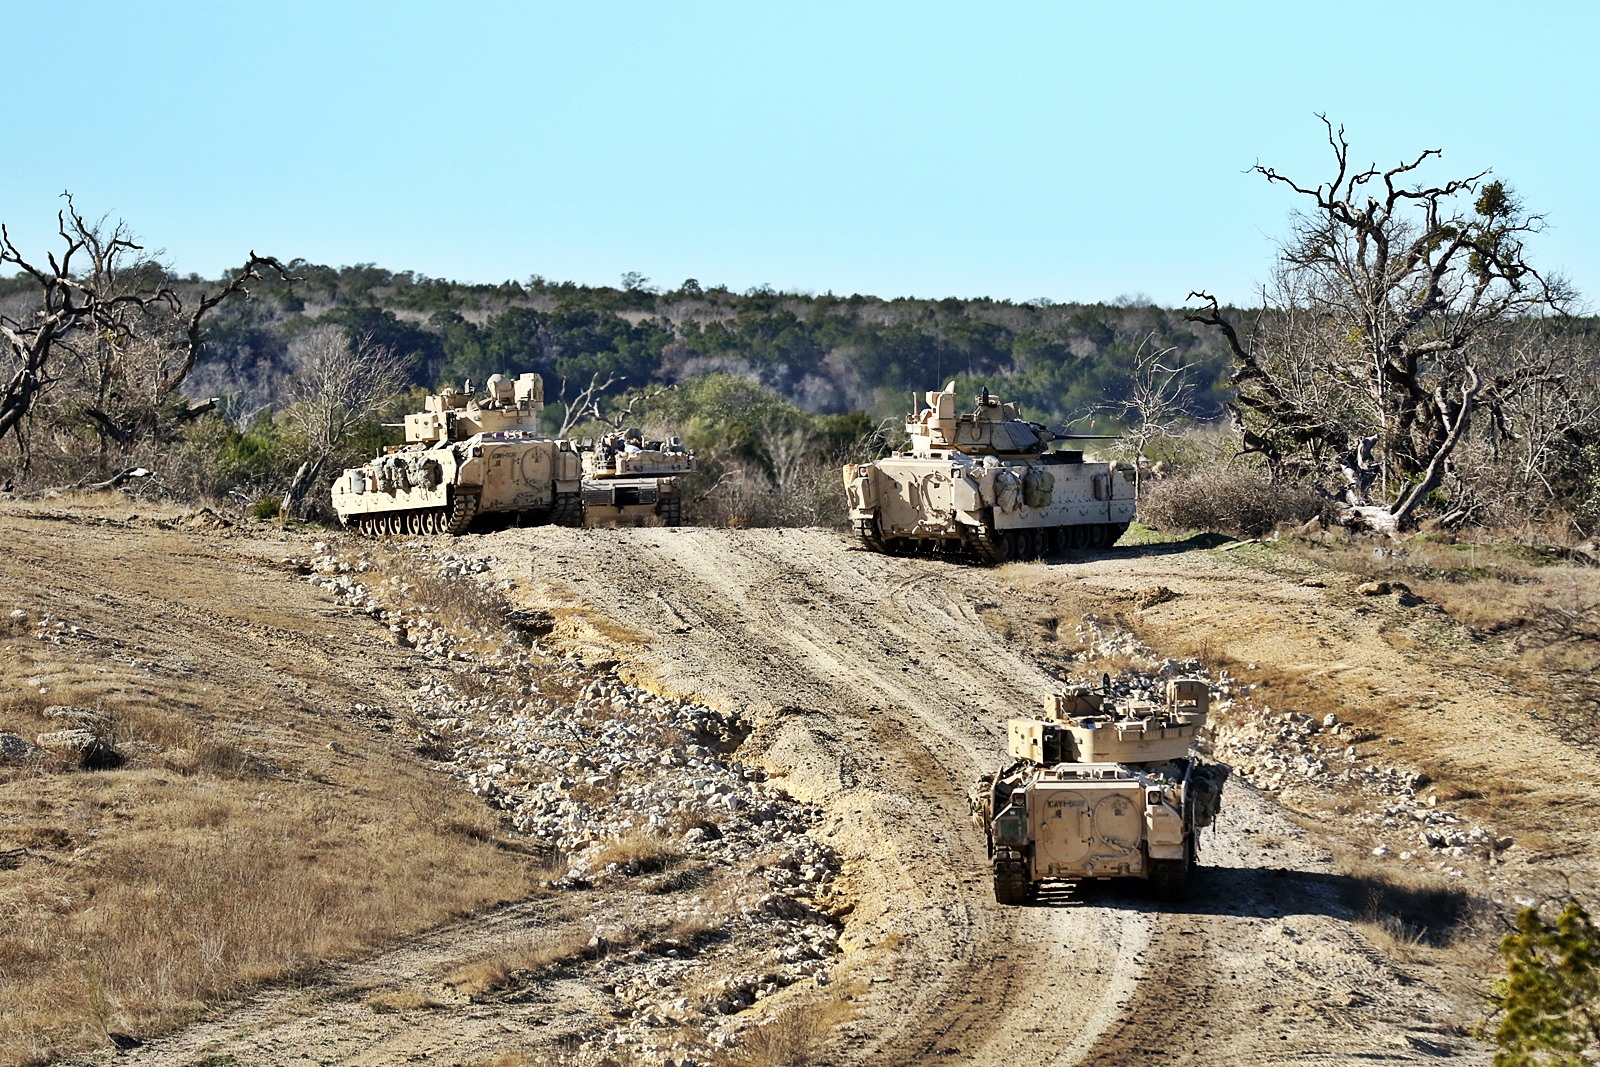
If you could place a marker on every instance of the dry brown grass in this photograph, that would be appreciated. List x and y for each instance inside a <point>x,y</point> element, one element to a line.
<point>997,621</point>
<point>1410,913</point>
<point>216,894</point>
<point>639,852</point>
<point>482,976</point>
<point>1488,587</point>
<point>475,618</point>
<point>512,1059</point>
<point>1287,689</point>
<point>1525,614</point>
<point>525,958</point>
<point>796,1034</point>
<point>237,845</point>
<point>1245,502</point>
<point>402,1000</point>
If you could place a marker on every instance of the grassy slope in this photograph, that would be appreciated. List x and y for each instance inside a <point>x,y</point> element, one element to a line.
<point>270,814</point>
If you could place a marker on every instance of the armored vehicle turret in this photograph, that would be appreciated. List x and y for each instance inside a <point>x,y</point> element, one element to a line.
<point>465,458</point>
<point>1101,788</point>
<point>988,485</point>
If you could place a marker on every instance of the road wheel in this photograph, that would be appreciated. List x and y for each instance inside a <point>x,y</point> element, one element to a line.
<point>567,510</point>
<point>981,542</point>
<point>1170,878</point>
<point>871,533</point>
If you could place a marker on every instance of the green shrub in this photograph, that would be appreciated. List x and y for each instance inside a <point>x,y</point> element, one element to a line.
<point>1549,1000</point>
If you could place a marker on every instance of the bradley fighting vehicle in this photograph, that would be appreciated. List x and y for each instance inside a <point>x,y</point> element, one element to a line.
<point>464,458</point>
<point>1101,788</point>
<point>467,458</point>
<point>986,484</point>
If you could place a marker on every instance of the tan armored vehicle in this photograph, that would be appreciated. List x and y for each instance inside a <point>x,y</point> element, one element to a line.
<point>1101,789</point>
<point>986,484</point>
<point>630,481</point>
<point>466,458</point>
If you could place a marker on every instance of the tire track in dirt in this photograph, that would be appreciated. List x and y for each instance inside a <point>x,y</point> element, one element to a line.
<point>1262,965</point>
<point>879,689</point>
<point>330,1012</point>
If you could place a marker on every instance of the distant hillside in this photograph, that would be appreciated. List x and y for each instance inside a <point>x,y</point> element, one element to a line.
<point>826,354</point>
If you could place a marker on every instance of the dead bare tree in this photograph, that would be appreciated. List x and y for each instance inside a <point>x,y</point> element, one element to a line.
<point>66,310</point>
<point>337,384</point>
<point>593,403</point>
<point>586,404</point>
<point>1529,448</point>
<point>789,448</point>
<point>1371,355</point>
<point>1160,398</point>
<point>105,315</point>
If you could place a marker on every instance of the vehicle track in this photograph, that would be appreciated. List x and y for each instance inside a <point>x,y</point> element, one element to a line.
<point>853,666</point>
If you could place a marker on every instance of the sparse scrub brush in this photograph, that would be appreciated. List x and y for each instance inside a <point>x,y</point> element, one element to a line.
<point>1228,501</point>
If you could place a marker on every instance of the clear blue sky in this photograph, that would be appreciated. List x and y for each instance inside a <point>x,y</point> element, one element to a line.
<point>1076,151</point>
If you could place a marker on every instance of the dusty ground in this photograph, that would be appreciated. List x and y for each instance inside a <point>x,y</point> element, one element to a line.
<point>878,689</point>
<point>883,685</point>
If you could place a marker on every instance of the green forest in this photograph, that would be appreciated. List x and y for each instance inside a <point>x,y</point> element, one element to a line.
<point>772,389</point>
<point>827,354</point>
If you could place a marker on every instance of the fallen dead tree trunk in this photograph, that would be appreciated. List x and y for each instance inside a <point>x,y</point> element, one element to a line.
<point>116,481</point>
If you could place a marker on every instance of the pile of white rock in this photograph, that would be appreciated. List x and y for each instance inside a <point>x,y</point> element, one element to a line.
<point>613,759</point>
<point>391,601</point>
<point>582,763</point>
<point>47,627</point>
<point>1284,751</point>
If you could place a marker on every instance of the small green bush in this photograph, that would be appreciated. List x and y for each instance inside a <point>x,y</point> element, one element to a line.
<point>1549,1001</point>
<point>266,507</point>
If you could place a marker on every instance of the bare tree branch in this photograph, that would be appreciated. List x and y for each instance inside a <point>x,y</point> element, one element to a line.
<point>251,271</point>
<point>587,403</point>
<point>105,323</point>
<point>336,385</point>
<point>1392,296</point>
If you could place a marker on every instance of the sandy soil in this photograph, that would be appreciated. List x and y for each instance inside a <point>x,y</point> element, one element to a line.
<point>882,686</point>
<point>878,688</point>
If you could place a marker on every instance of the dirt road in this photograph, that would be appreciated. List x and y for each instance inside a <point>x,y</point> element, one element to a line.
<point>880,688</point>
<point>877,689</point>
